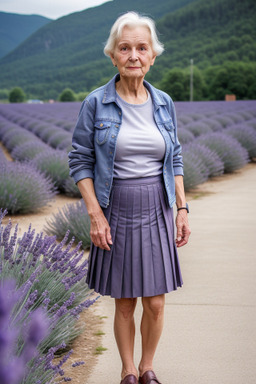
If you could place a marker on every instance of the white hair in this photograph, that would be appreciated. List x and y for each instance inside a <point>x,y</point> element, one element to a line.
<point>132,20</point>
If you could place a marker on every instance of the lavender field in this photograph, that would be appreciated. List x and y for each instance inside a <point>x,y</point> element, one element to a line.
<point>43,287</point>
<point>216,137</point>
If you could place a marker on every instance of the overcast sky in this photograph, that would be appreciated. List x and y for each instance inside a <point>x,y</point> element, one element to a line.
<point>49,8</point>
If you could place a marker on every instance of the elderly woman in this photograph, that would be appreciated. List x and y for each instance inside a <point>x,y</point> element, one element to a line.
<point>128,166</point>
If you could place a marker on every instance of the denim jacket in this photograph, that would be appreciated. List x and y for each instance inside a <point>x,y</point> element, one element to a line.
<point>95,135</point>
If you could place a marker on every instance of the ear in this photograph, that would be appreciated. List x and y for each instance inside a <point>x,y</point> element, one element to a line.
<point>153,60</point>
<point>113,59</point>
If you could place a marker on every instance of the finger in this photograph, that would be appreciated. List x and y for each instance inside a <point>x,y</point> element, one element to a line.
<point>108,235</point>
<point>103,242</point>
<point>179,233</point>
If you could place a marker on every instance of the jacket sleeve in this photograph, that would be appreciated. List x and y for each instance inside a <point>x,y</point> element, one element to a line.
<point>82,157</point>
<point>177,156</point>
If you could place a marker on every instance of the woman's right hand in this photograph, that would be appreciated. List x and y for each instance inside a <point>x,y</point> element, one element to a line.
<point>100,230</point>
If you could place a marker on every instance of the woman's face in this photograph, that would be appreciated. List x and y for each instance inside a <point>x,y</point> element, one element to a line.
<point>133,54</point>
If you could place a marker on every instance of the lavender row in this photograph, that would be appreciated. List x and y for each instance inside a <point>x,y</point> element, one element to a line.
<point>43,291</point>
<point>44,171</point>
<point>196,121</point>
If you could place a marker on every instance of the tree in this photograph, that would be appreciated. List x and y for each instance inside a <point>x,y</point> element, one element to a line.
<point>17,95</point>
<point>174,83</point>
<point>67,95</point>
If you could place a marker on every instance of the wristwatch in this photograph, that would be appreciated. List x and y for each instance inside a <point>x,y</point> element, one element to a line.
<point>187,209</point>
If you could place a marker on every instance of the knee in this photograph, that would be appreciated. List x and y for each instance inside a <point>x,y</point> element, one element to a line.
<point>125,307</point>
<point>154,305</point>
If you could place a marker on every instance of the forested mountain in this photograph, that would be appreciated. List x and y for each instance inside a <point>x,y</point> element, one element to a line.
<point>68,52</point>
<point>15,28</point>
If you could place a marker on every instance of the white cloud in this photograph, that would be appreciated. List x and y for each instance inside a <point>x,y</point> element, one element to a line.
<point>49,8</point>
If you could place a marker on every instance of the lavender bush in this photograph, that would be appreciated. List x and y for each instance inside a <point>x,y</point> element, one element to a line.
<point>23,189</point>
<point>246,137</point>
<point>71,188</point>
<point>73,218</point>
<point>229,150</point>
<point>50,277</point>
<point>18,342</point>
<point>185,136</point>
<point>195,171</point>
<point>198,128</point>
<point>213,164</point>
<point>55,165</point>
<point>28,150</point>
<point>16,136</point>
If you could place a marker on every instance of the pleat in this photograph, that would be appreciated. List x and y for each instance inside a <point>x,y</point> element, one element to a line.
<point>136,244</point>
<point>164,262</point>
<point>107,256</point>
<point>173,254</point>
<point>148,278</point>
<point>117,273</point>
<point>143,260</point>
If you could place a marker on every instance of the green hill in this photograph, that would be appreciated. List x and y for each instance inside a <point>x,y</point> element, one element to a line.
<point>15,28</point>
<point>68,52</point>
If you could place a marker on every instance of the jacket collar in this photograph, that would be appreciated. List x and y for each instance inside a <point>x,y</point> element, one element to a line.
<point>110,92</point>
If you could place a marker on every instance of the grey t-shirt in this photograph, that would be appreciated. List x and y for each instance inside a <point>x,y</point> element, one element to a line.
<point>140,147</point>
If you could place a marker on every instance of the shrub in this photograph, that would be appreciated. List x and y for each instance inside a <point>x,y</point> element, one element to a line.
<point>195,171</point>
<point>17,95</point>
<point>229,150</point>
<point>67,95</point>
<point>23,189</point>
<point>198,128</point>
<point>72,217</point>
<point>213,124</point>
<point>54,164</point>
<point>185,136</point>
<point>28,150</point>
<point>56,139</point>
<point>246,137</point>
<point>50,277</point>
<point>71,188</point>
<point>16,135</point>
<point>210,159</point>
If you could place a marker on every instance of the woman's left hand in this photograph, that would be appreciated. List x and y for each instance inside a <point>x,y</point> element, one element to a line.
<point>183,229</point>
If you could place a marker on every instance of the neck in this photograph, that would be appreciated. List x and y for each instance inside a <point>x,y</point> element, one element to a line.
<point>132,90</point>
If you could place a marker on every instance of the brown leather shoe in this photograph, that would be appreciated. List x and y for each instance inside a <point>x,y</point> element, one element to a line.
<point>129,379</point>
<point>149,377</point>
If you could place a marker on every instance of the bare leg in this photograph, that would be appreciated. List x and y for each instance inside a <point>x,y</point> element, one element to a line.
<point>151,329</point>
<point>124,328</point>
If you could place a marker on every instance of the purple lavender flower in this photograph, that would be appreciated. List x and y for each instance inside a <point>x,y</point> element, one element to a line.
<point>23,189</point>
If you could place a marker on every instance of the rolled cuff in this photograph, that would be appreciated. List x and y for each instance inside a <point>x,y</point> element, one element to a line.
<point>178,171</point>
<point>83,174</point>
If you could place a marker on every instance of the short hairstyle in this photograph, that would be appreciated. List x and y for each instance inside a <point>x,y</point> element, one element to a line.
<point>132,20</point>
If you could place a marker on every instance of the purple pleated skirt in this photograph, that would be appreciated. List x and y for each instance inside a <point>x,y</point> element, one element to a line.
<point>143,260</point>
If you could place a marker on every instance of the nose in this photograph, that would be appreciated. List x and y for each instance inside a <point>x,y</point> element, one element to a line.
<point>133,56</point>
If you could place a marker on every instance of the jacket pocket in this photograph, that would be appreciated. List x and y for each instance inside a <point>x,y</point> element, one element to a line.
<point>102,129</point>
<point>169,126</point>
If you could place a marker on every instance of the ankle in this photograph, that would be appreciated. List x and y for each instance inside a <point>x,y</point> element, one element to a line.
<point>131,371</point>
<point>144,368</point>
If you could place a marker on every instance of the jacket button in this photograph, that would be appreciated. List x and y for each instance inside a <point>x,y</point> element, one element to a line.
<point>119,113</point>
<point>110,153</point>
<point>107,184</point>
<point>101,125</point>
<point>116,125</point>
<point>113,136</point>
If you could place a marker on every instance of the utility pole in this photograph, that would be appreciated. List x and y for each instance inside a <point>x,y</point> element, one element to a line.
<point>191,79</point>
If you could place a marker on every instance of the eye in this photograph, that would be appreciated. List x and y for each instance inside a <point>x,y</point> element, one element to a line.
<point>143,48</point>
<point>123,49</point>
